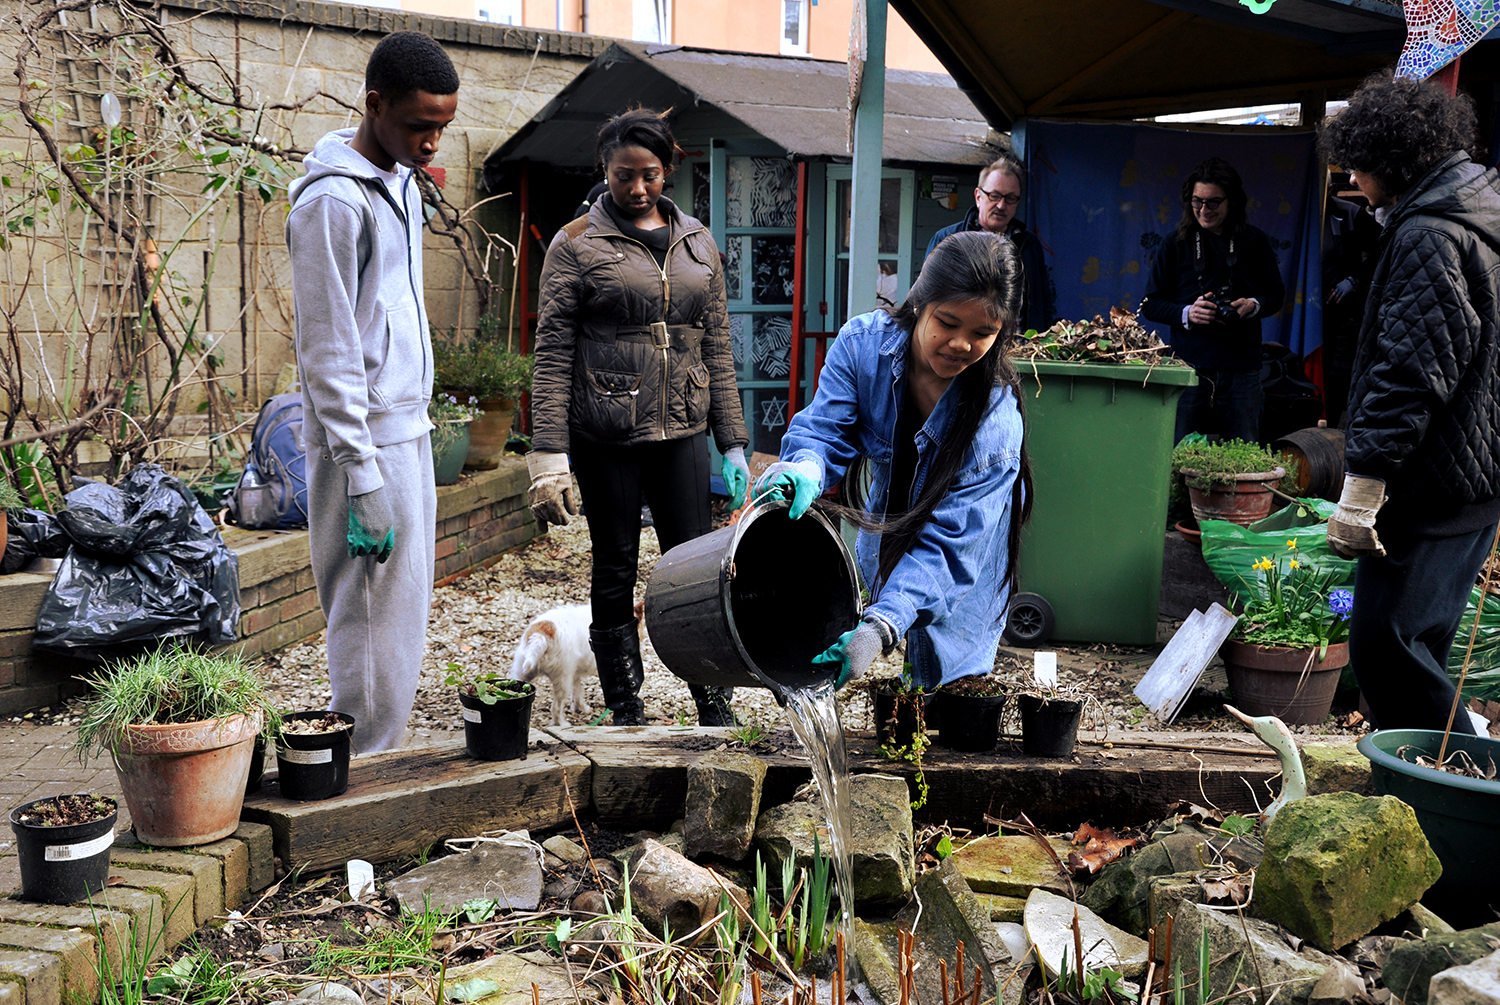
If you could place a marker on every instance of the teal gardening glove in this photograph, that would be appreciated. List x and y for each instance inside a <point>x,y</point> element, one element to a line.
<point>857,648</point>
<point>372,525</point>
<point>799,481</point>
<point>736,474</point>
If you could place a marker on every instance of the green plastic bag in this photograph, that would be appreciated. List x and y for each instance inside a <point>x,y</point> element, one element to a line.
<point>1230,550</point>
<point>1483,681</point>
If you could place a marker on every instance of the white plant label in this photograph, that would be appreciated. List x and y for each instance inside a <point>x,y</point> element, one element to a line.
<point>1044,670</point>
<point>324,756</point>
<point>472,715</point>
<point>74,852</point>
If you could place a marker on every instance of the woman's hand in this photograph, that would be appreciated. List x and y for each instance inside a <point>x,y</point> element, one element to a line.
<point>736,475</point>
<point>551,493</point>
<point>799,481</point>
<point>857,648</point>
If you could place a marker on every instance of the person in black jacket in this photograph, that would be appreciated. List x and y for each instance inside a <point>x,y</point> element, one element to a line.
<point>1421,494</point>
<point>1212,285</point>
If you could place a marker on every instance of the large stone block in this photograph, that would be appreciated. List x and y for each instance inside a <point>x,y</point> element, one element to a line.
<point>1013,865</point>
<point>1244,951</point>
<point>1336,767</point>
<point>666,889</point>
<point>1338,865</point>
<point>1476,983</point>
<point>723,802</point>
<point>880,831</point>
<point>1410,967</point>
<point>510,875</point>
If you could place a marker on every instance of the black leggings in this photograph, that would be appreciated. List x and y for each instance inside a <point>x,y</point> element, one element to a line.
<point>671,476</point>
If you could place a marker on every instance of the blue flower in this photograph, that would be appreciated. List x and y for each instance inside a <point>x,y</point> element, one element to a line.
<point>1341,602</point>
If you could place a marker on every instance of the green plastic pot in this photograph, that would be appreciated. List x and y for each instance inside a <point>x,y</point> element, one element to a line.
<point>1458,815</point>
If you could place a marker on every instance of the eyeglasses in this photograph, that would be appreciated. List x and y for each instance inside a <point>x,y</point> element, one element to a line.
<point>1213,203</point>
<point>1009,198</point>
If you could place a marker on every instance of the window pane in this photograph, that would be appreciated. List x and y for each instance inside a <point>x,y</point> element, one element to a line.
<point>734,267</point>
<point>702,192</point>
<point>890,215</point>
<point>762,192</point>
<point>739,341</point>
<point>765,415</point>
<point>791,32</point>
<point>773,275</point>
<point>770,347</point>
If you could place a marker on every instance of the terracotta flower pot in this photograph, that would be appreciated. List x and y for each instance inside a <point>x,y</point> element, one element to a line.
<point>1289,683</point>
<point>185,782</point>
<point>1241,499</point>
<point>489,433</point>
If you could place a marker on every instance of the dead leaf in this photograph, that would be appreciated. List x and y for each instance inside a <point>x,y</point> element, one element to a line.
<point>1231,888</point>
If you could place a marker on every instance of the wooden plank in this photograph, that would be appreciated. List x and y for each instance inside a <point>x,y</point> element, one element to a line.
<point>21,596</point>
<point>403,802</point>
<point>267,554</point>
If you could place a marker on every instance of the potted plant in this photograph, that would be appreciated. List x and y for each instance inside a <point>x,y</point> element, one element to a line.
<point>1049,719</point>
<point>451,418</point>
<point>63,845</point>
<point>497,713</point>
<point>1285,654</point>
<point>180,725</point>
<point>312,754</point>
<point>1229,480</point>
<point>968,710</point>
<point>485,367</point>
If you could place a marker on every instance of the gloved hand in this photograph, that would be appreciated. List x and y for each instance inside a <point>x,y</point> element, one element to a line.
<point>799,481</point>
<point>736,475</point>
<point>1351,529</point>
<point>551,495</point>
<point>857,648</point>
<point>372,525</point>
<point>1342,290</point>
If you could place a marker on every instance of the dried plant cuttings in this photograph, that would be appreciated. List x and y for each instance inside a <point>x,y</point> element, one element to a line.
<point>1100,847</point>
<point>1457,763</point>
<point>1120,338</point>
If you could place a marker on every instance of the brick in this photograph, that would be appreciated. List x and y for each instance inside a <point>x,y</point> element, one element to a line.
<point>208,881</point>
<point>146,917</point>
<point>175,891</point>
<point>258,838</point>
<point>305,580</point>
<point>23,697</point>
<point>76,951</point>
<point>233,856</point>
<point>110,927</point>
<point>257,621</point>
<point>41,973</point>
<point>15,643</point>
<point>12,992</point>
<point>311,624</point>
<point>7,673</point>
<point>298,605</point>
<point>281,586</point>
<point>447,546</point>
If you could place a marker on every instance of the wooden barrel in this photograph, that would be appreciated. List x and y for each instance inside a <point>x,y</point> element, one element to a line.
<point>1319,453</point>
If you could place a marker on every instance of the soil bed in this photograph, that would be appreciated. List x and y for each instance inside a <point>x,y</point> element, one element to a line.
<point>329,723</point>
<point>68,810</point>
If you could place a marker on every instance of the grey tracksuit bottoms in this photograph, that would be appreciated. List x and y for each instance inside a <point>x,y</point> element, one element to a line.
<point>377,613</point>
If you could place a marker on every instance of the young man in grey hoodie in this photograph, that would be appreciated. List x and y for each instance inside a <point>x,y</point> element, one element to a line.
<point>365,361</point>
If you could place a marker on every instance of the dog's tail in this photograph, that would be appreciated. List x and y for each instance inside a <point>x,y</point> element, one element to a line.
<point>527,663</point>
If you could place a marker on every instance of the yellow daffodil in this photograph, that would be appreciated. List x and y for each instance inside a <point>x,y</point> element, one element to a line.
<point>1292,564</point>
<point>1291,543</point>
<point>1264,563</point>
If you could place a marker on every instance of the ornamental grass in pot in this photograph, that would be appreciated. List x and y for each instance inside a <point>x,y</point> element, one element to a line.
<point>1286,653</point>
<point>1228,480</point>
<point>180,725</point>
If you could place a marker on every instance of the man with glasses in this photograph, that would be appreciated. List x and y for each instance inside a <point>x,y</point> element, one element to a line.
<point>994,210</point>
<point>1212,285</point>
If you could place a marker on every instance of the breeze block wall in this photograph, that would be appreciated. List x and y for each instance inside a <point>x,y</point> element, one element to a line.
<point>478,519</point>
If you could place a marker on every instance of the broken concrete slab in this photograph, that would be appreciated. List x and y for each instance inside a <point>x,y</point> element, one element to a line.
<point>1476,983</point>
<point>1340,864</point>
<point>723,802</point>
<point>509,874</point>
<point>1245,951</point>
<point>1013,865</point>
<point>515,973</point>
<point>1410,967</point>
<point>1049,926</point>
<point>667,889</point>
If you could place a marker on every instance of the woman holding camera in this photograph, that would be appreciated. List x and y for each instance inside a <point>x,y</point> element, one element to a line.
<point>1212,284</point>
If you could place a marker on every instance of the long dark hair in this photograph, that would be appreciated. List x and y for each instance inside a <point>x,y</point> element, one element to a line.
<point>982,268</point>
<point>1214,171</point>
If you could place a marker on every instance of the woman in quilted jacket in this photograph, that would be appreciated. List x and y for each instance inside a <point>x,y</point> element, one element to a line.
<point>633,365</point>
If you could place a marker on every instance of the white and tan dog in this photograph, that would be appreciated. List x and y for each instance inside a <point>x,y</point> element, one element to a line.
<point>556,643</point>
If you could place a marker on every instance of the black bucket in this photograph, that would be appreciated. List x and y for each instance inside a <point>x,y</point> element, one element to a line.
<point>896,714</point>
<point>314,765</point>
<point>751,604</point>
<point>63,865</point>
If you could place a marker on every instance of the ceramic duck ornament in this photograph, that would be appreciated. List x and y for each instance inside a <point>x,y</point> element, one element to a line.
<point>1274,732</point>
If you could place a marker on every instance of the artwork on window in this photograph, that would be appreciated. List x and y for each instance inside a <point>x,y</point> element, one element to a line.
<point>739,339</point>
<point>771,346</point>
<point>734,268</point>
<point>774,269</point>
<point>772,413</point>
<point>762,192</point>
<point>703,206</point>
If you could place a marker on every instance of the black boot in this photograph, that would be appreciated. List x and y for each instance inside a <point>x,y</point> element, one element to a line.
<point>713,705</point>
<point>618,652</point>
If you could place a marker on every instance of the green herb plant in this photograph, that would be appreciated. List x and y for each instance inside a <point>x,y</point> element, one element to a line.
<point>482,364</point>
<point>1204,464</point>
<point>488,687</point>
<point>911,752</point>
<point>10,496</point>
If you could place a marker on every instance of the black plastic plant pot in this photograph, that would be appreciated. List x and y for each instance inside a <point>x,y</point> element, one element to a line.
<point>969,723</point>
<point>314,766</point>
<point>63,865</point>
<point>257,766</point>
<point>1049,727</point>
<point>896,714</point>
<point>498,731</point>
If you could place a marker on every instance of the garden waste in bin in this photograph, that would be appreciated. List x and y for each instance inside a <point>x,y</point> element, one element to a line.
<point>1100,440</point>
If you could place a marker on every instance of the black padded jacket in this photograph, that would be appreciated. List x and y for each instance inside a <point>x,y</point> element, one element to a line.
<point>628,351</point>
<point>1424,405</point>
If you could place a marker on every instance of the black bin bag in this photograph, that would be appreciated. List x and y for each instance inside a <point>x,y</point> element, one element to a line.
<point>32,534</point>
<point>144,562</point>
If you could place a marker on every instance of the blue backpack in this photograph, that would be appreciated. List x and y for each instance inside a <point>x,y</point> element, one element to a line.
<point>272,492</point>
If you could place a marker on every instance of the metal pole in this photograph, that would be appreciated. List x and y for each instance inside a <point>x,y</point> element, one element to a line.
<point>864,232</point>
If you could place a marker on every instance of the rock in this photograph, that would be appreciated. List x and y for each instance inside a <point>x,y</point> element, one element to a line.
<point>590,902</point>
<point>551,863</point>
<point>1265,959</point>
<point>1410,967</point>
<point>508,874</point>
<point>1049,926</point>
<point>950,914</point>
<point>1013,865</point>
<point>608,873</point>
<point>561,888</point>
<point>1476,983</point>
<point>1003,908</point>
<point>566,850</point>
<point>1121,893</point>
<point>723,801</point>
<point>1336,767</point>
<point>880,829</point>
<point>329,993</point>
<point>666,889</point>
<point>272,951</point>
<point>876,952</point>
<point>1337,865</point>
<point>1425,923</point>
<point>515,973</point>
<point>1168,894</point>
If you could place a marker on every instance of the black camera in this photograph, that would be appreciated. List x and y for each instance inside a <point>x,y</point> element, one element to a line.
<point>1223,298</point>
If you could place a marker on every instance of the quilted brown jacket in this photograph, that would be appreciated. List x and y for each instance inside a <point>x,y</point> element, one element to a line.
<point>1425,398</point>
<point>627,352</point>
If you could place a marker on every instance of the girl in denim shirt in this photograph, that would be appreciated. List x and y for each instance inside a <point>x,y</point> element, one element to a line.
<point>925,395</point>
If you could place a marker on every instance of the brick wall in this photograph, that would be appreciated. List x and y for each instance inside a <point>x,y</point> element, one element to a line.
<point>478,519</point>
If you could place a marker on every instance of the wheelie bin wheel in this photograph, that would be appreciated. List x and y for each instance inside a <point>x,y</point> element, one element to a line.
<point>1030,620</point>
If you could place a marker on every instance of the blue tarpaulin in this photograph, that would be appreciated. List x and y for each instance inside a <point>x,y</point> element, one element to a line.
<point>1103,196</point>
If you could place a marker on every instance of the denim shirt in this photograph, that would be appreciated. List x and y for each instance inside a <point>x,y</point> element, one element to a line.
<point>947,593</point>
